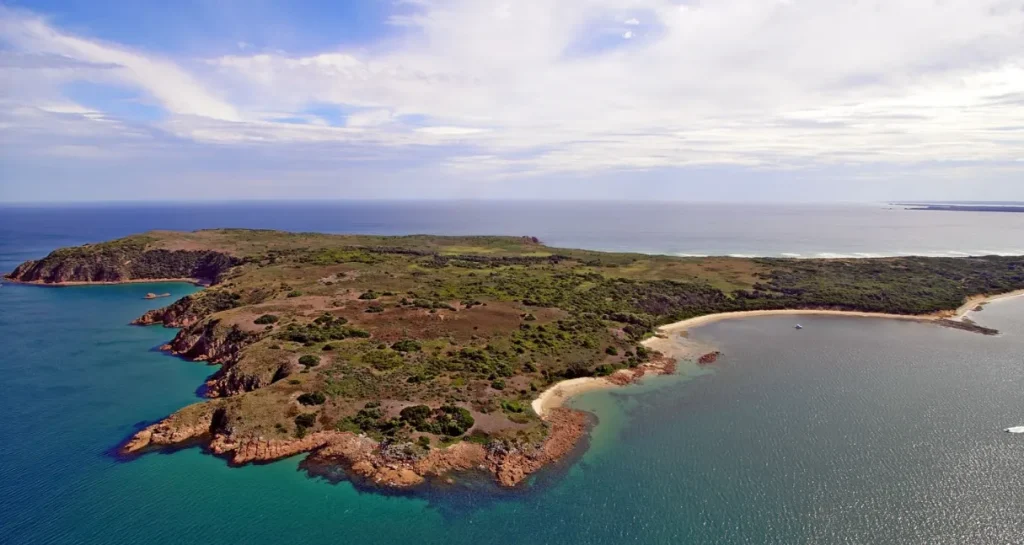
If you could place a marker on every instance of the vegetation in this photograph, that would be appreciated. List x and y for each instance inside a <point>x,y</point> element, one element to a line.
<point>419,334</point>
<point>314,398</point>
<point>447,420</point>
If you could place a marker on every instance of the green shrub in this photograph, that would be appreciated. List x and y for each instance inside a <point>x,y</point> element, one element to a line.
<point>368,295</point>
<point>314,398</point>
<point>454,421</point>
<point>611,351</point>
<point>382,360</point>
<point>407,345</point>
<point>513,406</point>
<point>303,422</point>
<point>309,361</point>
<point>294,293</point>
<point>498,384</point>
<point>266,319</point>
<point>418,416</point>
<point>447,420</point>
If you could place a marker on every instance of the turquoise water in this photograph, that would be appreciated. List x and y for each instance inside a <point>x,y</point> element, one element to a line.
<point>850,431</point>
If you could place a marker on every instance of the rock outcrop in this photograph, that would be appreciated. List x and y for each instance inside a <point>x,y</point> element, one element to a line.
<point>176,429</point>
<point>709,358</point>
<point>381,463</point>
<point>511,464</point>
<point>182,313</point>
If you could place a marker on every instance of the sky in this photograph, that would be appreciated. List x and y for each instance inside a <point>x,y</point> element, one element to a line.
<point>700,100</point>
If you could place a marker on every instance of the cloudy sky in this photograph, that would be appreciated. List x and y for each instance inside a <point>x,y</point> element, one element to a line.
<point>806,100</point>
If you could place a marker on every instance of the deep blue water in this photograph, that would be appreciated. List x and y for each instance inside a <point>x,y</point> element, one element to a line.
<point>668,228</point>
<point>849,431</point>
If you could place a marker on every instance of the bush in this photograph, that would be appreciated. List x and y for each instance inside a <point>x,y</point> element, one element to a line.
<point>448,420</point>
<point>374,308</point>
<point>418,416</point>
<point>314,398</point>
<point>328,347</point>
<point>498,384</point>
<point>454,421</point>
<point>406,345</point>
<point>382,360</point>
<point>294,293</point>
<point>424,441</point>
<point>309,361</point>
<point>303,422</point>
<point>266,319</point>
<point>611,351</point>
<point>368,295</point>
<point>513,406</point>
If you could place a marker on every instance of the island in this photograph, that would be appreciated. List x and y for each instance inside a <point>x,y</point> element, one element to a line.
<point>406,359</point>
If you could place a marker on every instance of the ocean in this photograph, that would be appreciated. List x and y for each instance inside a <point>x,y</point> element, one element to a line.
<point>662,228</point>
<point>852,430</point>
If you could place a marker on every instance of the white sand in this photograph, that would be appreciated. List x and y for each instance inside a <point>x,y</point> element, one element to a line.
<point>560,392</point>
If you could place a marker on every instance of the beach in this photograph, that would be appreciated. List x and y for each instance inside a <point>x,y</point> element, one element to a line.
<point>670,341</point>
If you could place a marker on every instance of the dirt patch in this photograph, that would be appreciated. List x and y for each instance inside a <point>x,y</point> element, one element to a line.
<point>462,325</point>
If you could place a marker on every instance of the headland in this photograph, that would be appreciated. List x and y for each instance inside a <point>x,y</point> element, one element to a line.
<point>406,358</point>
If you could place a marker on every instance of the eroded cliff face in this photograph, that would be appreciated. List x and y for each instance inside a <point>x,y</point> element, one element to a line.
<point>182,313</point>
<point>214,343</point>
<point>123,263</point>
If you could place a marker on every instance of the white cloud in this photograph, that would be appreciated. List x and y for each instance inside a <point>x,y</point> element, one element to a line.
<point>450,131</point>
<point>767,85</point>
<point>178,91</point>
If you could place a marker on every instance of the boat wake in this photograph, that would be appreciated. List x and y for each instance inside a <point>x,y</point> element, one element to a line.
<point>1016,429</point>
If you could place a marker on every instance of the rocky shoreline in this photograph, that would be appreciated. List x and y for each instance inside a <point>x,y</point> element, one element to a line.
<point>383,463</point>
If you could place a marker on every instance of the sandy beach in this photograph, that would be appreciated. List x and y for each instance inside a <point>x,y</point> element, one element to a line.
<point>669,342</point>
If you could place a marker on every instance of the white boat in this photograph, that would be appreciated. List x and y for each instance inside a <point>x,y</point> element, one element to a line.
<point>1016,429</point>
<point>798,326</point>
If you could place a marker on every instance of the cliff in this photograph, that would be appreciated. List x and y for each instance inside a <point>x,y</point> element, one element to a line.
<point>215,343</point>
<point>123,261</point>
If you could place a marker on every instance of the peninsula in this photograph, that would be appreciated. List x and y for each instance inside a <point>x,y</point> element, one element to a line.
<point>405,358</point>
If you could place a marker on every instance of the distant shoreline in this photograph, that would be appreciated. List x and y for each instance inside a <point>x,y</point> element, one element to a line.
<point>561,392</point>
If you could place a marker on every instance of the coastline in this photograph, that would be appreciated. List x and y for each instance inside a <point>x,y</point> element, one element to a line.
<point>561,392</point>
<point>193,281</point>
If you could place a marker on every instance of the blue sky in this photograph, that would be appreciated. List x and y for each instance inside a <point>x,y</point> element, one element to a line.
<point>765,100</point>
